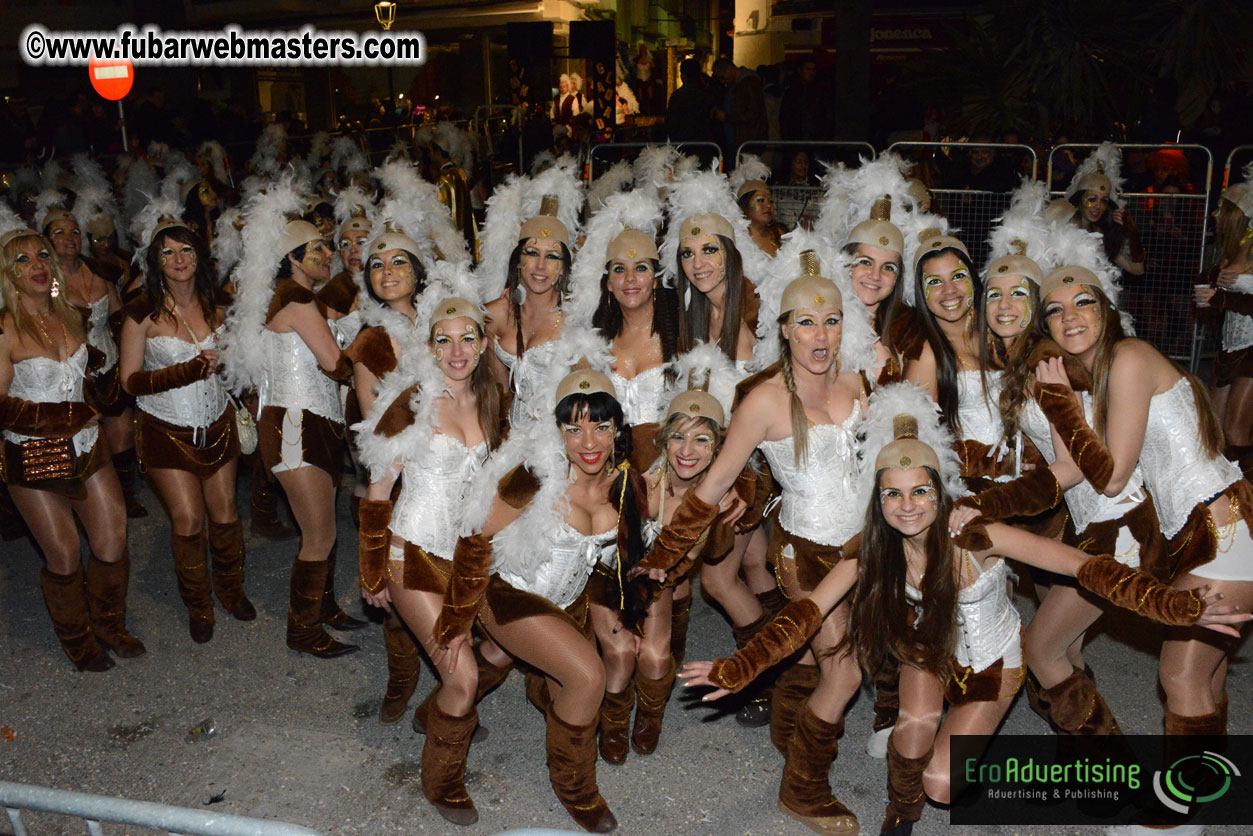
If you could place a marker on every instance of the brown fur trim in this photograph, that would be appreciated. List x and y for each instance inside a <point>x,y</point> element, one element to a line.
<point>644,448</point>
<point>813,561</point>
<point>518,487</point>
<point>508,604</point>
<point>139,308</point>
<point>966,686</point>
<point>679,536</point>
<point>290,292</point>
<point>471,564</point>
<point>398,415</point>
<point>424,571</point>
<point>1027,496</point>
<point>106,270</point>
<point>1046,349</point>
<point>974,537</point>
<point>322,441</point>
<point>790,631</point>
<point>978,460</point>
<point>373,349</point>
<point>1197,542</point>
<point>1213,724</point>
<point>905,336</point>
<point>751,382</point>
<point>342,371</point>
<point>1133,590</point>
<point>1075,706</point>
<point>906,795</point>
<point>1085,447</point>
<point>373,543</point>
<point>339,293</point>
<point>746,485</point>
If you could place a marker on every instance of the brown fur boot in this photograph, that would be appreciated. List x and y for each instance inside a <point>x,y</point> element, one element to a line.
<point>226,545</point>
<point>651,697</point>
<point>404,663</point>
<point>791,689</point>
<point>444,765</point>
<point>106,598</point>
<point>804,792</point>
<point>304,622</point>
<point>615,724</point>
<point>1076,707</point>
<point>193,583</point>
<point>679,615</point>
<point>423,712</point>
<point>67,606</point>
<point>771,602</point>
<point>572,771</point>
<point>266,521</point>
<point>906,797</point>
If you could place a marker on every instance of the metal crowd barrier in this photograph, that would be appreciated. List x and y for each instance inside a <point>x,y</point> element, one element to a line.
<point>483,121</point>
<point>1173,228</point>
<point>1231,174</point>
<point>799,205</point>
<point>611,152</point>
<point>94,809</point>
<point>969,211</point>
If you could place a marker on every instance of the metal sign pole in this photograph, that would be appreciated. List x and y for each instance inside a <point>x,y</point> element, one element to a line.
<point>121,117</point>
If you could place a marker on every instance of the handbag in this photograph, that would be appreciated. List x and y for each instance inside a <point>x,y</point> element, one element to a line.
<point>245,427</point>
<point>47,458</point>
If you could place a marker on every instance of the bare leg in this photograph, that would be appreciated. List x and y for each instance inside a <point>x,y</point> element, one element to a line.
<point>311,493</point>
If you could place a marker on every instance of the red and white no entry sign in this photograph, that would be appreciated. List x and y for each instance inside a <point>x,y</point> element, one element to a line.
<point>112,78</point>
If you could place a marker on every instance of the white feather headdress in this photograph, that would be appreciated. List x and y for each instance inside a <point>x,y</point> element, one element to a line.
<point>701,193</point>
<point>347,157</point>
<point>618,178</point>
<point>750,168</point>
<point>228,241</point>
<point>319,148</point>
<point>657,165</point>
<point>163,205</point>
<point>265,159</point>
<point>912,225</point>
<point>93,194</point>
<point>1107,160</point>
<point>45,202</point>
<point>705,367</point>
<point>141,181</point>
<point>1067,244</point>
<point>458,143</point>
<point>637,210</point>
<point>511,205</point>
<point>857,340</point>
<point>216,155</point>
<point>877,432</point>
<point>53,176</point>
<point>411,205</point>
<point>266,215</point>
<point>851,193</point>
<point>1022,226</point>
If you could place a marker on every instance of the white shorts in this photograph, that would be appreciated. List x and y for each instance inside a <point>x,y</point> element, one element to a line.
<point>1234,560</point>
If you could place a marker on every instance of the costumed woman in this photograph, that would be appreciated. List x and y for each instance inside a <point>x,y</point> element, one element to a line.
<point>55,465</point>
<point>938,604</point>
<point>445,404</point>
<point>187,439</point>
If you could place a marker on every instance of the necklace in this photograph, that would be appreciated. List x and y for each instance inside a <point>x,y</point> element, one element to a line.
<point>52,344</point>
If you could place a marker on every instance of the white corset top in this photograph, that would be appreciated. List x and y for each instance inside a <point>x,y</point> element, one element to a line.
<point>980,417</point>
<point>1238,327</point>
<point>562,576</point>
<point>99,335</point>
<point>643,396</point>
<point>1085,503</point>
<point>526,373</point>
<point>987,624</point>
<point>819,499</point>
<point>428,511</point>
<point>197,404</point>
<point>1177,469</point>
<point>293,379</point>
<point>44,380</point>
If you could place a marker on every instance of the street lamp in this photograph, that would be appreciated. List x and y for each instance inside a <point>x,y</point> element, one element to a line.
<point>385,14</point>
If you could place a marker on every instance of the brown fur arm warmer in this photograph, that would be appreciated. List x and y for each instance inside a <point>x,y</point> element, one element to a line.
<point>471,567</point>
<point>44,420</point>
<point>676,539</point>
<point>171,377</point>
<point>1066,416</point>
<point>790,630</point>
<point>1031,494</point>
<point>1133,590</point>
<point>373,543</point>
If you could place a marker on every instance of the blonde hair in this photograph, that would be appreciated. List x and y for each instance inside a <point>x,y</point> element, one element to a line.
<point>71,320</point>
<point>1229,230</point>
<point>800,421</point>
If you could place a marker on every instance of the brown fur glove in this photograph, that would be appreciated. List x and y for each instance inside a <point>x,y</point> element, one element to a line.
<point>44,420</point>
<point>1066,416</point>
<point>471,567</point>
<point>689,522</point>
<point>1031,494</point>
<point>1133,590</point>
<point>795,625</point>
<point>171,377</point>
<point>373,543</point>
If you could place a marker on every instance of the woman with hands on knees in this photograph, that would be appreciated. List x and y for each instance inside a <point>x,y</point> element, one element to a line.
<point>939,604</point>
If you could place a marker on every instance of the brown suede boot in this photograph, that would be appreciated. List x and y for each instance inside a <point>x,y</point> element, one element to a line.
<point>444,765</point>
<point>756,710</point>
<point>771,601</point>
<point>804,792</point>
<point>266,521</point>
<point>615,725</point>
<point>1036,699</point>
<point>332,615</point>
<point>906,797</point>
<point>67,606</point>
<point>651,698</point>
<point>404,663</point>
<point>791,689</point>
<point>679,615</point>
<point>226,544</point>
<point>193,583</point>
<point>1076,707</point>
<point>572,771</point>
<point>423,712</point>
<point>304,623</point>
<point>1214,724</point>
<point>106,598</point>
<point>124,464</point>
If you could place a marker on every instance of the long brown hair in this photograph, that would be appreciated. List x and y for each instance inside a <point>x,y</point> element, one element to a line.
<point>70,319</point>
<point>800,421</point>
<point>513,282</point>
<point>486,391</point>
<point>207,291</point>
<point>1229,230</point>
<point>694,318</point>
<point>993,354</point>
<point>608,319</point>
<point>943,351</point>
<point>877,629</point>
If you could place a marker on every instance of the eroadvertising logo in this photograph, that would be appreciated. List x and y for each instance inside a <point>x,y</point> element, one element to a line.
<point>1194,780</point>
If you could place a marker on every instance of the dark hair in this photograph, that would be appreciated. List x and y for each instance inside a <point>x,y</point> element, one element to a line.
<point>511,285</point>
<point>891,306</point>
<point>1112,234</point>
<point>878,628</point>
<point>486,391</point>
<point>204,282</point>
<point>694,320</point>
<point>320,211</point>
<point>689,69</point>
<point>945,356</point>
<point>609,322</point>
<point>284,266</point>
<point>419,278</point>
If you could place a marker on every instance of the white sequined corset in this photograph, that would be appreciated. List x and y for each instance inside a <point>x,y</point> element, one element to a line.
<point>1238,327</point>
<point>44,380</point>
<point>980,417</point>
<point>432,487</point>
<point>1085,503</point>
<point>293,379</point>
<point>643,396</point>
<point>571,558</point>
<point>988,626</point>
<point>819,499</point>
<point>1177,469</point>
<point>197,404</point>
<point>99,334</point>
<point>526,373</point>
